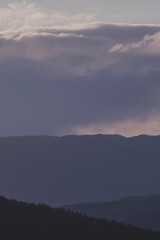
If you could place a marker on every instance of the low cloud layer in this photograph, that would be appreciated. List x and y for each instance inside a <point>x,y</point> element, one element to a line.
<point>96,78</point>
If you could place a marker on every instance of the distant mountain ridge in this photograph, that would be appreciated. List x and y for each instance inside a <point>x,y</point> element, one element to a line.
<point>73,169</point>
<point>141,211</point>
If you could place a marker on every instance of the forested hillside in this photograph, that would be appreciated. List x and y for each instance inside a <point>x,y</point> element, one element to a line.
<point>27,221</point>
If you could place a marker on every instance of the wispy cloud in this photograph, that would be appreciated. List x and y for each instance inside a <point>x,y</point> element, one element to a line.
<point>22,14</point>
<point>150,44</point>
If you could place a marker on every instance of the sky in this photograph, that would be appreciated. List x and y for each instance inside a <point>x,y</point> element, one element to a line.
<point>127,11</point>
<point>79,67</point>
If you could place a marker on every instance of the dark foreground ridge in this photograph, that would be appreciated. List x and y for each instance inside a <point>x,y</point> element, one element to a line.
<point>27,221</point>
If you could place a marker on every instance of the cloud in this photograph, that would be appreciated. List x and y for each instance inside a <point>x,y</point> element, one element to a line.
<point>150,44</point>
<point>97,78</point>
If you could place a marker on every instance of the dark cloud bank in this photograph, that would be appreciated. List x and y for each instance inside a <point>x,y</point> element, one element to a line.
<point>54,81</point>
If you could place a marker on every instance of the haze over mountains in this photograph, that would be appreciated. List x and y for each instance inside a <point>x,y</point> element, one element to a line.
<point>143,211</point>
<point>74,169</point>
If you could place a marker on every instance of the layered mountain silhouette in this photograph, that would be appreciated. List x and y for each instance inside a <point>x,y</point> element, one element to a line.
<point>140,211</point>
<point>73,169</point>
<point>20,220</point>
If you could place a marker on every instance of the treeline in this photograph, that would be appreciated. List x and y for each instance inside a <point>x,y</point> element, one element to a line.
<point>20,220</point>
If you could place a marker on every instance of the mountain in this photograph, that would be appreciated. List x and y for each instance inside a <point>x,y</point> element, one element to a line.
<point>143,211</point>
<point>73,169</point>
<point>19,220</point>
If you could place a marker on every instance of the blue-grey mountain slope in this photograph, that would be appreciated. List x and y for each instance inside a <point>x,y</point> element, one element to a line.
<point>140,211</point>
<point>74,169</point>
